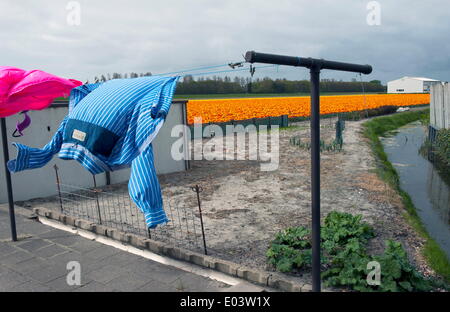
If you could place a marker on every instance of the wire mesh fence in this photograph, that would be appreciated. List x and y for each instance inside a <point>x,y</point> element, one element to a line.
<point>335,145</point>
<point>114,208</point>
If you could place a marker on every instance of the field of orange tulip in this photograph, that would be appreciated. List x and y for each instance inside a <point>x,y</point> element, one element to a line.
<point>223,110</point>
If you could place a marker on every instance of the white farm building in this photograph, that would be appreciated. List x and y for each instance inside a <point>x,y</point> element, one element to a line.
<point>410,85</point>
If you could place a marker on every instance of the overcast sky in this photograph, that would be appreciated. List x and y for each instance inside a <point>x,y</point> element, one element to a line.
<point>163,36</point>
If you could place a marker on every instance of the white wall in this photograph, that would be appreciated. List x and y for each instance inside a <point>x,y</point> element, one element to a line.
<point>41,182</point>
<point>440,105</point>
<point>407,84</point>
<point>162,144</point>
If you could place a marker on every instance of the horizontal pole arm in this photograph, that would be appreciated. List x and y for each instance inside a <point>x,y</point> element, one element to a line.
<point>256,57</point>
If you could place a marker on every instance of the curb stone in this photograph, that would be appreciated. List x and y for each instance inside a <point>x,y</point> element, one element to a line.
<point>233,269</point>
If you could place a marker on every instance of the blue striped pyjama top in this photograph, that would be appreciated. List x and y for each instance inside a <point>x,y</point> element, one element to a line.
<point>111,126</point>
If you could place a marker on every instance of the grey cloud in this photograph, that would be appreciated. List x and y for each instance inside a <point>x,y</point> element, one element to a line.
<point>164,36</point>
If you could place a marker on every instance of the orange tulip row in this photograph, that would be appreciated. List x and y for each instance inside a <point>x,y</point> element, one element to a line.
<point>222,110</point>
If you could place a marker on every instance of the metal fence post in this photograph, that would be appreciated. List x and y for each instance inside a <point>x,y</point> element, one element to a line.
<point>96,198</point>
<point>199,189</point>
<point>59,187</point>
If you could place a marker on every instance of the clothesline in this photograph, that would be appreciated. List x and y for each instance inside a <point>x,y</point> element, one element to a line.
<point>189,72</point>
<point>191,69</point>
<point>228,70</point>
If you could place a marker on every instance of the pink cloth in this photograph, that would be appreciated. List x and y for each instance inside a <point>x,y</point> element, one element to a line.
<point>22,90</point>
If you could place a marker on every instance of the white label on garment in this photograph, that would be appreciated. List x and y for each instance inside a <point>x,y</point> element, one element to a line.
<point>79,135</point>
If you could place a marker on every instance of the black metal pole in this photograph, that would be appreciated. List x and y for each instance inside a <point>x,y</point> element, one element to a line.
<point>12,217</point>
<point>108,177</point>
<point>315,176</point>
<point>315,65</point>
<point>308,62</point>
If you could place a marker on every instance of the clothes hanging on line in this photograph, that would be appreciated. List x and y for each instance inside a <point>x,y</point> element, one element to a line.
<point>22,90</point>
<point>110,126</point>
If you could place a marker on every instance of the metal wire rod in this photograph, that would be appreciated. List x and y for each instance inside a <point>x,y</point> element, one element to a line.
<point>230,70</point>
<point>77,195</point>
<point>192,69</point>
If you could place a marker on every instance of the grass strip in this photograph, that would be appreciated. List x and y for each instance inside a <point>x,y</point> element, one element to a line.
<point>372,130</point>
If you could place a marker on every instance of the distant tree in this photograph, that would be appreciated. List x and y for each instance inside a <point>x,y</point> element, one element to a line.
<point>227,85</point>
<point>218,85</point>
<point>188,79</point>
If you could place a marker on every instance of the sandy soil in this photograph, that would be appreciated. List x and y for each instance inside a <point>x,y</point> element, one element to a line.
<point>244,207</point>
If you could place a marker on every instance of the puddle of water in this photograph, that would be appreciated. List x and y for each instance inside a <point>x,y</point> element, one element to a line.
<point>418,177</point>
